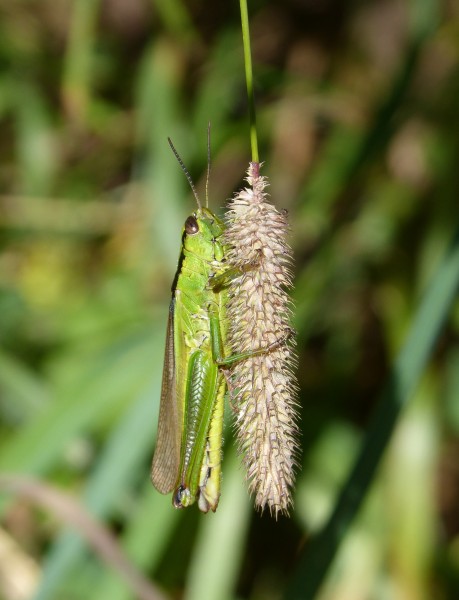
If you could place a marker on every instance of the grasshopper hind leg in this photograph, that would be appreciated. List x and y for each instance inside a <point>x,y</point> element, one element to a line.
<point>211,472</point>
<point>182,497</point>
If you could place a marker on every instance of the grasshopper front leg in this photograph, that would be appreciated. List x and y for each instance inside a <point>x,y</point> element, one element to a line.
<point>217,282</point>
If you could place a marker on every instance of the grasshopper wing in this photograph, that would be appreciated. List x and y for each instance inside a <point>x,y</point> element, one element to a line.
<point>166,459</point>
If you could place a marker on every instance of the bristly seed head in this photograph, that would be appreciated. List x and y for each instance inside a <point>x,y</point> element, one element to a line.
<point>264,387</point>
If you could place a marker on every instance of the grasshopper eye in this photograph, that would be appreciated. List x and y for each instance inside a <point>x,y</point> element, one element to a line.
<point>191,226</point>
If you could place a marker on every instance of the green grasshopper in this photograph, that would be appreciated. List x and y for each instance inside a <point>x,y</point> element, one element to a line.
<point>187,458</point>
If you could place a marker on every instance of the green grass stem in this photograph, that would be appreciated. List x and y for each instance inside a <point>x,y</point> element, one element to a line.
<point>249,79</point>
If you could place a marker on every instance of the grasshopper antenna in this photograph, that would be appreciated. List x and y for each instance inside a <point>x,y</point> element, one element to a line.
<point>187,174</point>
<point>208,165</point>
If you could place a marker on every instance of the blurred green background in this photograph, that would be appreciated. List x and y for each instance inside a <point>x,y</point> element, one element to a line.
<point>358,120</point>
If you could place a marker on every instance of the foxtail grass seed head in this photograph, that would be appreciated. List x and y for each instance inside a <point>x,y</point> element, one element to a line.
<point>263,387</point>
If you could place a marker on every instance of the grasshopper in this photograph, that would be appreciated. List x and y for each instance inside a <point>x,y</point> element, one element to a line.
<point>187,458</point>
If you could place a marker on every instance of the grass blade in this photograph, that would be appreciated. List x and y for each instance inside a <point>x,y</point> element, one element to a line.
<point>405,375</point>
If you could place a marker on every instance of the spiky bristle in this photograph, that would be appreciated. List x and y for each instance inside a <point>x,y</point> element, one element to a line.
<point>264,388</point>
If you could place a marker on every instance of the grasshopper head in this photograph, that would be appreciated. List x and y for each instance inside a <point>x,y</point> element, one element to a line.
<point>201,232</point>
